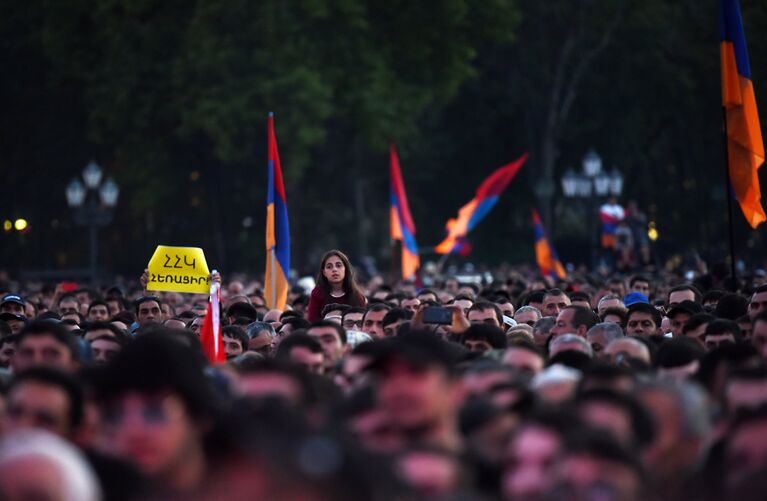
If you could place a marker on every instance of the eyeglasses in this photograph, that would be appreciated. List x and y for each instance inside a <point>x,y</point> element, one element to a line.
<point>348,324</point>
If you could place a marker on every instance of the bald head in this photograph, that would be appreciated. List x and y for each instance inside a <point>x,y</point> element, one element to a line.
<point>628,347</point>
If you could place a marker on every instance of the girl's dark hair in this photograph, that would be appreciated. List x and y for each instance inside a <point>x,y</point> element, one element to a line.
<point>356,298</point>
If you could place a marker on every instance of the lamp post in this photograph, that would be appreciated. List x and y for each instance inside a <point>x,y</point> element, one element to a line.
<point>92,202</point>
<point>593,184</point>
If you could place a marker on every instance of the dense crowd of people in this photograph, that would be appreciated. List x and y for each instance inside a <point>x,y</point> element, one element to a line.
<point>635,387</point>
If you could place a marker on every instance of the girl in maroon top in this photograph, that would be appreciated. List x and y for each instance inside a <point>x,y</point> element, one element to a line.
<point>335,284</point>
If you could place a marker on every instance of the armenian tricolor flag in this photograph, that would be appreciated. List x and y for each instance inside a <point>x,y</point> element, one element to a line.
<point>545,255</point>
<point>473,212</point>
<point>402,226</point>
<point>610,215</point>
<point>277,230</point>
<point>745,149</point>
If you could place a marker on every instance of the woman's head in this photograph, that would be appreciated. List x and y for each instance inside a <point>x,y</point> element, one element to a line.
<point>335,269</point>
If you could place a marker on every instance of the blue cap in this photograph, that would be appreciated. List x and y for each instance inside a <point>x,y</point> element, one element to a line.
<point>12,298</point>
<point>635,297</point>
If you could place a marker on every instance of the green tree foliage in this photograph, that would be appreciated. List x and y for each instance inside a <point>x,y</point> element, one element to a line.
<point>171,98</point>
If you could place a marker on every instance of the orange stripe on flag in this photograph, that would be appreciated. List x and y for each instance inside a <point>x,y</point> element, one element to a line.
<point>745,148</point>
<point>280,283</point>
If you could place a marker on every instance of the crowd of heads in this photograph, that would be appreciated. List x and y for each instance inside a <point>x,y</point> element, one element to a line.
<point>519,388</point>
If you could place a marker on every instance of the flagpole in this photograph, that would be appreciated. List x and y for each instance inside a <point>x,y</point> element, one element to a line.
<point>215,312</point>
<point>393,275</point>
<point>728,189</point>
<point>273,281</point>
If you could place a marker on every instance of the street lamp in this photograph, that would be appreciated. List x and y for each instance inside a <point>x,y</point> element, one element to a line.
<point>593,184</point>
<point>92,203</point>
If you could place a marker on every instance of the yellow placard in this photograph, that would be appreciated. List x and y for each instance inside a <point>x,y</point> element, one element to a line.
<point>178,269</point>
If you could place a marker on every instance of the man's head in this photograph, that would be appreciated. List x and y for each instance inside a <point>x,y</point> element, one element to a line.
<point>623,349</point>
<point>574,320</point>
<point>746,388</point>
<point>639,283</point>
<point>569,342</point>
<point>464,301</point>
<point>372,323</point>
<point>481,337</point>
<point>290,325</point>
<point>155,406</point>
<point>148,310</point>
<point>601,335</point>
<point>524,358</point>
<point>504,303</point>
<point>643,320</point>
<point>758,302</point>
<point>352,319</point>
<point>332,337</point>
<point>527,315</point>
<point>98,311</point>
<point>485,312</point>
<point>261,337</point>
<point>683,420</point>
<point>235,341</point>
<point>334,312</point>
<point>35,464</point>
<point>12,303</point>
<point>393,319</point>
<point>679,358</point>
<point>720,332</point>
<point>7,349</point>
<point>542,330</point>
<point>695,327</point>
<point>68,303</point>
<point>532,455</point>
<point>418,388</point>
<point>684,292</point>
<point>410,304</point>
<point>98,329</point>
<point>45,399</point>
<point>302,350</point>
<point>105,348</point>
<point>595,462</point>
<point>45,343</point>
<point>15,321</point>
<point>745,448</point>
<point>609,301</point>
<point>554,301</point>
<point>679,314</point>
<point>759,331</point>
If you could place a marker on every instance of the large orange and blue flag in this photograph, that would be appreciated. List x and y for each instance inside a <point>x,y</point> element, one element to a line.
<point>745,148</point>
<point>402,226</point>
<point>545,255</point>
<point>473,212</point>
<point>277,229</point>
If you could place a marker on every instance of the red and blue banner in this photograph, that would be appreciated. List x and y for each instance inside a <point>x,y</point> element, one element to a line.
<point>745,148</point>
<point>402,226</point>
<point>277,229</point>
<point>473,212</point>
<point>545,255</point>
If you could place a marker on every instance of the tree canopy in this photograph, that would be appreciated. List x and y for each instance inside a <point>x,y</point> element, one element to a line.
<point>171,98</point>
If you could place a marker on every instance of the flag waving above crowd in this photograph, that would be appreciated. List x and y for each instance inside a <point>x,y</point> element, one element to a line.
<point>745,147</point>
<point>478,207</point>
<point>402,225</point>
<point>277,228</point>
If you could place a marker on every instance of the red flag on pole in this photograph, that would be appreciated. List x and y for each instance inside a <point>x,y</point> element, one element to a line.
<point>210,333</point>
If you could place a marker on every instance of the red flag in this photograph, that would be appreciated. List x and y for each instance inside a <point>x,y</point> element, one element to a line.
<point>210,333</point>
